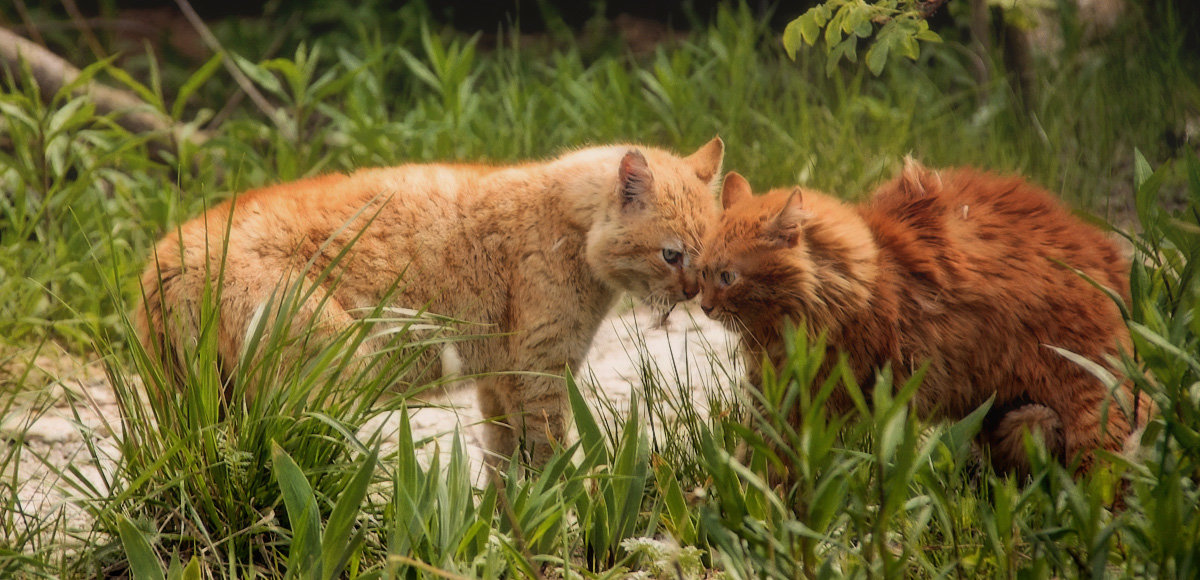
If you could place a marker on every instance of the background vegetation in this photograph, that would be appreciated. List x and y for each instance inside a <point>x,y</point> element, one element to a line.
<point>288,487</point>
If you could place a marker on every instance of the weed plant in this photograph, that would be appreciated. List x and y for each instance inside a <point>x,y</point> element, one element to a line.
<point>287,483</point>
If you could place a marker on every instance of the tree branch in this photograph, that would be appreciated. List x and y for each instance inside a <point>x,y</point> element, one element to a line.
<point>52,73</point>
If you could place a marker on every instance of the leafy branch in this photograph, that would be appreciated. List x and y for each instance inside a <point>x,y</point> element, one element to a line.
<point>897,25</point>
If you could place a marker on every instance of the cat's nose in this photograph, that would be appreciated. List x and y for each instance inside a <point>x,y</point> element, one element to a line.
<point>690,287</point>
<point>706,308</point>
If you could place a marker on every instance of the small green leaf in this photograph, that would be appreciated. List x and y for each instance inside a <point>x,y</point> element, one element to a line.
<point>811,23</point>
<point>421,71</point>
<point>1166,345</point>
<point>194,82</point>
<point>833,29</point>
<point>1148,183</point>
<point>1141,169</point>
<point>927,35</point>
<point>793,36</point>
<point>260,75</point>
<point>76,112</point>
<point>863,28</point>
<point>877,56</point>
<point>143,91</point>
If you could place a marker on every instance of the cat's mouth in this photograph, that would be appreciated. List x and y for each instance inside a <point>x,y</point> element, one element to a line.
<point>661,304</point>
<point>727,319</point>
<point>665,315</point>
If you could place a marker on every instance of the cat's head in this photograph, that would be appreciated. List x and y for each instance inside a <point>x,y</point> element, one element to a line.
<point>647,237</point>
<point>753,267</point>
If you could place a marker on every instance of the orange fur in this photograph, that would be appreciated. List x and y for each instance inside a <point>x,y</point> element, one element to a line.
<point>958,269</point>
<point>536,253</point>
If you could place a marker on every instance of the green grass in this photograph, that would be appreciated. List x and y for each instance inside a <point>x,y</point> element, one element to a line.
<point>290,485</point>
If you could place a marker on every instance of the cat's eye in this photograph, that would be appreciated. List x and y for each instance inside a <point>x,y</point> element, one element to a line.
<point>728,277</point>
<point>672,257</point>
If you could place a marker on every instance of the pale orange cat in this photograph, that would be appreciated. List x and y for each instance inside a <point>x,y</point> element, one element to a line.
<point>537,252</point>
<point>958,269</point>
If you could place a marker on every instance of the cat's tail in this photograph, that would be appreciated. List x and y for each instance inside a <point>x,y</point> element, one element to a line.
<point>167,319</point>
<point>150,318</point>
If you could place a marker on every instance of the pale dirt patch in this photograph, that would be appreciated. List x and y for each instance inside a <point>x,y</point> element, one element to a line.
<point>51,428</point>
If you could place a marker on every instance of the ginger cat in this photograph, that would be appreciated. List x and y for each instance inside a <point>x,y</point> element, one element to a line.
<point>538,252</point>
<point>955,268</point>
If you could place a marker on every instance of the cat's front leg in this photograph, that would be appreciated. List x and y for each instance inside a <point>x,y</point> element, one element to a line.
<point>525,411</point>
<point>543,417</point>
<point>496,402</point>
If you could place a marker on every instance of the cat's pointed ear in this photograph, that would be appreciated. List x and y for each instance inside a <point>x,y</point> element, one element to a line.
<point>735,190</point>
<point>706,161</point>
<point>784,229</point>
<point>917,180</point>
<point>635,180</point>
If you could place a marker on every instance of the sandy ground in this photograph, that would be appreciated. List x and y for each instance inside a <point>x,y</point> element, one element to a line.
<point>52,430</point>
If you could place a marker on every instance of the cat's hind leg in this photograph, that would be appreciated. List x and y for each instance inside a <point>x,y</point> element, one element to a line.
<point>1093,420</point>
<point>1090,415</point>
<point>271,329</point>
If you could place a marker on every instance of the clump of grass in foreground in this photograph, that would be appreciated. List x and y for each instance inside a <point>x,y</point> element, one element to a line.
<point>263,471</point>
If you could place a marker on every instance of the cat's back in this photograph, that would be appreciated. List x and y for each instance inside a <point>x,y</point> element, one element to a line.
<point>971,231</point>
<point>283,213</point>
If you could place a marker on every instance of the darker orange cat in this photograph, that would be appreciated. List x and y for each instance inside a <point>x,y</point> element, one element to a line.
<point>960,269</point>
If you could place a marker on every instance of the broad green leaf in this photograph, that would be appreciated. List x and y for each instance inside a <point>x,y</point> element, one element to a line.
<point>862,26</point>
<point>677,508</point>
<point>877,55</point>
<point>292,74</point>
<point>192,570</point>
<point>143,564</point>
<point>1146,197</point>
<point>336,545</point>
<point>958,436</point>
<point>17,113</point>
<point>1166,345</point>
<point>590,435</point>
<point>793,36</point>
<point>927,35</point>
<point>305,551</point>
